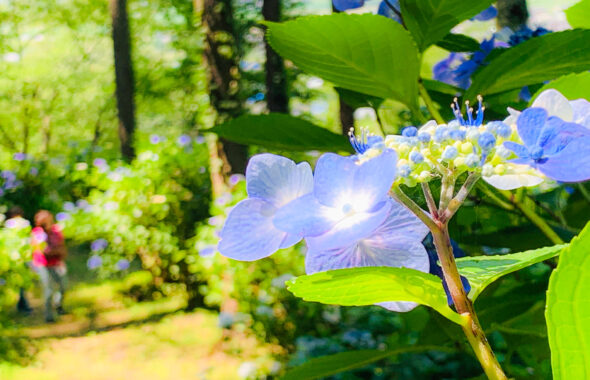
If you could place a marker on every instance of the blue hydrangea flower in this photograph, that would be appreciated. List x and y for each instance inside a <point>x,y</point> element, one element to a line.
<point>390,9</point>
<point>94,262</point>
<point>395,242</point>
<point>155,139</point>
<point>98,245</point>
<point>272,181</point>
<point>19,156</point>
<point>525,33</point>
<point>364,141</point>
<point>349,200</point>
<point>487,14</point>
<point>344,5</point>
<point>183,140</point>
<point>558,149</point>
<point>122,264</point>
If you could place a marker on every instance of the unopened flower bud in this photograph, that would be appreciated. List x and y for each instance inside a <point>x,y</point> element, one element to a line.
<point>486,141</point>
<point>409,131</point>
<point>487,170</point>
<point>472,160</point>
<point>416,157</point>
<point>450,153</point>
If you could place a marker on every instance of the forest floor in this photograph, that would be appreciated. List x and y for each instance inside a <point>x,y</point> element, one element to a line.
<point>109,335</point>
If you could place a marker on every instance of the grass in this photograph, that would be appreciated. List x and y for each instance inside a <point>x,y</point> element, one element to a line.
<point>108,334</point>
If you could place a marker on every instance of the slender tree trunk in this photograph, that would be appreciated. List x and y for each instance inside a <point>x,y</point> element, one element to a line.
<point>276,78</point>
<point>123,77</point>
<point>222,61</point>
<point>346,111</point>
<point>512,13</point>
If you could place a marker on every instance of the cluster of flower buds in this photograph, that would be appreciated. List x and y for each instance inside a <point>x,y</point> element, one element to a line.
<point>433,150</point>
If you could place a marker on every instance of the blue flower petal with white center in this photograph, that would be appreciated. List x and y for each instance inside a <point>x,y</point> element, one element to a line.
<point>306,216</point>
<point>396,242</point>
<point>277,179</point>
<point>339,180</point>
<point>249,233</point>
<point>529,125</point>
<point>343,5</point>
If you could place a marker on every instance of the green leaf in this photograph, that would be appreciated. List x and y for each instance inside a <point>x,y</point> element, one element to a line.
<point>358,100</point>
<point>371,285</point>
<point>366,53</point>
<point>280,131</point>
<point>568,310</point>
<point>573,86</point>
<point>578,15</point>
<point>431,20</point>
<point>534,61</point>
<point>458,43</point>
<point>481,271</point>
<point>329,365</point>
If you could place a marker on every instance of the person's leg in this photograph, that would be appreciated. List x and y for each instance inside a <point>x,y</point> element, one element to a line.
<point>47,292</point>
<point>58,273</point>
<point>23,304</point>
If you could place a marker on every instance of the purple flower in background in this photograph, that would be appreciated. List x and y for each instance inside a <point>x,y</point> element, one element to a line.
<point>19,156</point>
<point>487,14</point>
<point>81,203</point>
<point>61,216</point>
<point>234,179</point>
<point>94,262</point>
<point>558,149</point>
<point>183,140</point>
<point>99,162</point>
<point>223,199</point>
<point>272,181</point>
<point>69,206</point>
<point>396,242</point>
<point>34,171</point>
<point>122,264</point>
<point>215,221</point>
<point>8,175</point>
<point>343,5</point>
<point>98,245</point>
<point>200,139</point>
<point>349,200</point>
<point>155,139</point>
<point>2,282</point>
<point>207,251</point>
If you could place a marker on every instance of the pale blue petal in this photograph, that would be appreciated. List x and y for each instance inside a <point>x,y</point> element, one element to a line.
<point>374,178</point>
<point>277,179</point>
<point>529,125</point>
<point>555,104</point>
<point>556,134</point>
<point>290,240</point>
<point>305,216</point>
<point>400,307</point>
<point>248,233</point>
<point>572,164</point>
<point>518,149</point>
<point>581,109</point>
<point>350,229</point>
<point>334,178</point>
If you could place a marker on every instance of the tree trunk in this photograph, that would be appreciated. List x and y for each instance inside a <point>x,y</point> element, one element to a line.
<point>346,111</point>
<point>222,62</point>
<point>123,77</point>
<point>276,78</point>
<point>512,13</point>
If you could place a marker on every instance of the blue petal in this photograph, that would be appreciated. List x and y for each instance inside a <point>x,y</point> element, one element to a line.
<point>248,233</point>
<point>386,8</point>
<point>518,149</point>
<point>572,164</point>
<point>529,125</point>
<point>487,14</point>
<point>277,179</point>
<point>373,178</point>
<point>350,229</point>
<point>343,5</point>
<point>333,178</point>
<point>556,134</point>
<point>581,110</point>
<point>305,216</point>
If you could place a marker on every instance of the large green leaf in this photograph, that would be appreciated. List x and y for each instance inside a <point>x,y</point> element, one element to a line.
<point>367,286</point>
<point>431,20</point>
<point>280,131</point>
<point>573,86</point>
<point>458,42</point>
<point>578,15</point>
<point>483,270</point>
<point>365,53</point>
<point>568,311</point>
<point>534,61</point>
<point>322,367</point>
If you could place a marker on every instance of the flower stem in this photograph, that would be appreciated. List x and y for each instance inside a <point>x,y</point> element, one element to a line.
<point>429,103</point>
<point>442,241</point>
<point>472,329</point>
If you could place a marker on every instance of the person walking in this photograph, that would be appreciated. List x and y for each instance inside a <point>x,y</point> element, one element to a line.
<point>49,254</point>
<point>15,219</point>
